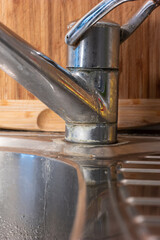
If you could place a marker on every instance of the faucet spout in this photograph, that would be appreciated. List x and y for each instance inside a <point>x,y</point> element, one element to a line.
<point>53,85</point>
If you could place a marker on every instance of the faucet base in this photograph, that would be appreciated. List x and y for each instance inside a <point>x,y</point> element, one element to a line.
<point>100,133</point>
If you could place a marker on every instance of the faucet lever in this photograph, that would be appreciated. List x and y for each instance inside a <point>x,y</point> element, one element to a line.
<point>90,19</point>
<point>128,28</point>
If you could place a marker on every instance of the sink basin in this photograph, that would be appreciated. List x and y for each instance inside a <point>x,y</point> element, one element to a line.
<point>44,198</point>
<point>38,197</point>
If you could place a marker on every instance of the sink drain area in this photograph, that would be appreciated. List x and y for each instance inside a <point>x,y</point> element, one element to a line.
<point>138,188</point>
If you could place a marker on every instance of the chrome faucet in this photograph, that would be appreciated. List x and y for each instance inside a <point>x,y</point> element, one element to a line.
<point>85,95</point>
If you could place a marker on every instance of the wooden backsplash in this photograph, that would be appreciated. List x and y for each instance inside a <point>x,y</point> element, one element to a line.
<point>43,23</point>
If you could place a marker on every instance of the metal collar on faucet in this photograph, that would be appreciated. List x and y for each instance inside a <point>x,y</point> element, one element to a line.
<point>86,96</point>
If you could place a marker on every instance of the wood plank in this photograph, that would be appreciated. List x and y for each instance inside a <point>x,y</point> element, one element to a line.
<point>28,115</point>
<point>34,115</point>
<point>138,112</point>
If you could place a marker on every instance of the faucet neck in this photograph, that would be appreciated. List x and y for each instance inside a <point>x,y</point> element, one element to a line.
<point>94,64</point>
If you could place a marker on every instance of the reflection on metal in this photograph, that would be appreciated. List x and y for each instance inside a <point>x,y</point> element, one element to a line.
<point>56,87</point>
<point>145,201</point>
<point>36,200</point>
<point>93,59</point>
<point>95,175</point>
<point>95,68</point>
<point>92,133</point>
<point>52,84</point>
<point>75,191</point>
<point>138,182</point>
<point>90,19</point>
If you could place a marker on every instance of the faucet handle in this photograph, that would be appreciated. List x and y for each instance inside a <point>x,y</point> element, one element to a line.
<point>128,28</point>
<point>90,19</point>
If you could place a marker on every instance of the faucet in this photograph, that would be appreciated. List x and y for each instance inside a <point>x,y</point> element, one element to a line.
<point>86,94</point>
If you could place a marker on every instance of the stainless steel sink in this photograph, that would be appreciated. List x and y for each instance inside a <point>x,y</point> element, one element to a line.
<point>51,189</point>
<point>38,197</point>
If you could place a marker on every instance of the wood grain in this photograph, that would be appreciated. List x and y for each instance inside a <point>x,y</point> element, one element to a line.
<point>28,115</point>
<point>43,23</point>
<point>34,115</point>
<point>138,112</point>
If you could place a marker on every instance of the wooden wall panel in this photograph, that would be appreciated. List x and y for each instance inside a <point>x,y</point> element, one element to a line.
<point>43,24</point>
